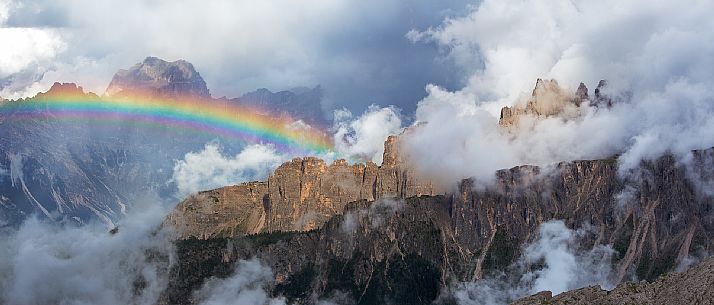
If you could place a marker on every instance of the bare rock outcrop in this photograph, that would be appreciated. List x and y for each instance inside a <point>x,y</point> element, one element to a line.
<point>301,194</point>
<point>550,99</point>
<point>547,99</point>
<point>601,99</point>
<point>155,76</point>
<point>59,90</point>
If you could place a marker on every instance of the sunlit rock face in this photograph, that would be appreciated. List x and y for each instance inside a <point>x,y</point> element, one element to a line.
<point>301,194</point>
<point>159,77</point>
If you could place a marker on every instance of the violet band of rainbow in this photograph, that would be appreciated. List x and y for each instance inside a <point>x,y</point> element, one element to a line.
<point>223,118</point>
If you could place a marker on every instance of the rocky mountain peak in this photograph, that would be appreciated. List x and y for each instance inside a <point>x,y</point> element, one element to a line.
<point>582,92</point>
<point>390,157</point>
<point>63,89</point>
<point>547,99</point>
<point>550,99</point>
<point>600,97</point>
<point>156,76</point>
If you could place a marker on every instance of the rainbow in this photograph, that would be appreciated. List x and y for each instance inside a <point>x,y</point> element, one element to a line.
<point>220,117</point>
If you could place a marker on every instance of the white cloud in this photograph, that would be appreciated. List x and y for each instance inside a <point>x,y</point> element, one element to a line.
<point>29,46</point>
<point>208,33</point>
<point>362,138</point>
<point>4,10</point>
<point>565,267</point>
<point>244,287</point>
<point>25,53</point>
<point>651,53</point>
<point>209,169</point>
<point>49,263</point>
<point>377,213</point>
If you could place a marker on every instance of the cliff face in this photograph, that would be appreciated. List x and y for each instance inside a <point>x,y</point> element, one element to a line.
<point>406,251</point>
<point>301,194</point>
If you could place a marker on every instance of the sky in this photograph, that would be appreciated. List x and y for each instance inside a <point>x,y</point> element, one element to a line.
<point>451,64</point>
<point>356,50</point>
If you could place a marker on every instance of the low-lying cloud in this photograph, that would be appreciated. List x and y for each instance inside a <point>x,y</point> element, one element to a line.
<point>362,138</point>
<point>566,266</point>
<point>210,169</point>
<point>49,263</point>
<point>247,286</point>
<point>378,213</point>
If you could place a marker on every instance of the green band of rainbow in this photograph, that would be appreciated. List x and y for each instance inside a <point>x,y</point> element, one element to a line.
<point>220,117</point>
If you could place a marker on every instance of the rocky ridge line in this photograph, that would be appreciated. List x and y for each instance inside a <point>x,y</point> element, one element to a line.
<point>301,194</point>
<point>550,99</point>
<point>407,251</point>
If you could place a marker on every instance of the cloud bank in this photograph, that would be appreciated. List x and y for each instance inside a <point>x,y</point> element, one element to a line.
<point>362,138</point>
<point>652,54</point>
<point>245,287</point>
<point>49,263</point>
<point>209,168</point>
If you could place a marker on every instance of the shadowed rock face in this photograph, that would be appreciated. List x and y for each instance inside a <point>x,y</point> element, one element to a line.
<point>301,194</point>
<point>159,77</point>
<point>405,251</point>
<point>695,286</point>
<point>297,103</point>
<point>76,171</point>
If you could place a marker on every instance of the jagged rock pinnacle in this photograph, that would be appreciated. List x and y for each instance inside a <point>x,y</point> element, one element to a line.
<point>582,92</point>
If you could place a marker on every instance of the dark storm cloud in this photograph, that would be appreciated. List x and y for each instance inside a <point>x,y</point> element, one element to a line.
<point>357,50</point>
<point>383,67</point>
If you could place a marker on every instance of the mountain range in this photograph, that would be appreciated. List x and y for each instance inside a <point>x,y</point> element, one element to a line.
<point>383,234</point>
<point>80,171</point>
<point>373,227</point>
<point>367,233</point>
